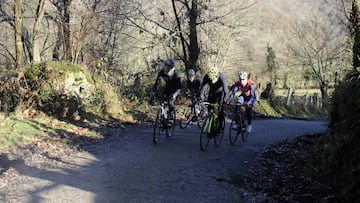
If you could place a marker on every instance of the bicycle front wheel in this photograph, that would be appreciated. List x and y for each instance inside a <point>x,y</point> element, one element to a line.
<point>234,132</point>
<point>206,133</point>
<point>187,117</point>
<point>220,126</point>
<point>158,127</point>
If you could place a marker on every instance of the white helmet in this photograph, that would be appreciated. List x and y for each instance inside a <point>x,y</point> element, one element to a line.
<point>243,75</point>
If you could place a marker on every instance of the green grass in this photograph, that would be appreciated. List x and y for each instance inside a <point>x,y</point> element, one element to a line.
<point>16,131</point>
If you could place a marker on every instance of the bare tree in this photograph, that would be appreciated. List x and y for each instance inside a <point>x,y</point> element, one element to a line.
<point>62,19</point>
<point>190,26</point>
<point>318,44</point>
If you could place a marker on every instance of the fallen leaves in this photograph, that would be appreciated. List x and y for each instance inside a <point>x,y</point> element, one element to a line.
<point>292,171</point>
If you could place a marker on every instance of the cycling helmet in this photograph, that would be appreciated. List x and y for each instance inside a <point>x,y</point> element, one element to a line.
<point>243,75</point>
<point>190,72</point>
<point>170,62</point>
<point>213,73</point>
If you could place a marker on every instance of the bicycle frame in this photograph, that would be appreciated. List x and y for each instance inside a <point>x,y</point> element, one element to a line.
<point>239,120</point>
<point>192,114</point>
<point>162,120</point>
<point>211,128</point>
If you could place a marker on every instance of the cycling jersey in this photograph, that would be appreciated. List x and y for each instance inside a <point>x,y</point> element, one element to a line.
<point>172,84</point>
<point>195,85</point>
<point>217,90</point>
<point>247,91</point>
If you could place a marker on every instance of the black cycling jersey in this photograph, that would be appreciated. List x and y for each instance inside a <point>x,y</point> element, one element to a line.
<point>217,90</point>
<point>195,85</point>
<point>172,84</point>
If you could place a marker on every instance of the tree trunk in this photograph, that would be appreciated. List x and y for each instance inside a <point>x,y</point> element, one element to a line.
<point>18,28</point>
<point>66,31</point>
<point>194,49</point>
<point>35,38</point>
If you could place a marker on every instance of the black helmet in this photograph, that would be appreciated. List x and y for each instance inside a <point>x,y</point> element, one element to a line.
<point>190,72</point>
<point>170,62</point>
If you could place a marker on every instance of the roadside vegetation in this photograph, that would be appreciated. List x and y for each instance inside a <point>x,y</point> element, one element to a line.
<point>69,77</point>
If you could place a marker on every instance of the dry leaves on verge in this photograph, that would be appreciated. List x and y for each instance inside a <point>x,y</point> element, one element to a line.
<point>293,171</point>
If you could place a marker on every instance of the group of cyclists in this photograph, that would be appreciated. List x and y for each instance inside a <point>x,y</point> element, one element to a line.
<point>212,87</point>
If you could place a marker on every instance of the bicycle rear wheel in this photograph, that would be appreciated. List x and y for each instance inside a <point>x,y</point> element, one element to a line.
<point>158,127</point>
<point>205,134</point>
<point>187,117</point>
<point>234,133</point>
<point>219,131</point>
<point>244,134</point>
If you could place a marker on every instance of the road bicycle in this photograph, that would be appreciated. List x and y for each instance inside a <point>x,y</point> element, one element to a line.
<point>213,128</point>
<point>238,125</point>
<point>165,121</point>
<point>195,112</point>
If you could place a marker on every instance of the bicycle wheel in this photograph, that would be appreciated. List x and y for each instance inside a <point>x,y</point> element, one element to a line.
<point>234,133</point>
<point>219,131</point>
<point>187,117</point>
<point>244,133</point>
<point>158,127</point>
<point>205,134</point>
<point>170,129</point>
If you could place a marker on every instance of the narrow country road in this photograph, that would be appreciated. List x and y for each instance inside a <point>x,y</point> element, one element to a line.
<point>127,167</point>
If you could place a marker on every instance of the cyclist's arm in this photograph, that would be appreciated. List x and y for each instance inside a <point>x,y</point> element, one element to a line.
<point>157,82</point>
<point>252,95</point>
<point>177,85</point>
<point>224,84</point>
<point>234,89</point>
<point>206,80</point>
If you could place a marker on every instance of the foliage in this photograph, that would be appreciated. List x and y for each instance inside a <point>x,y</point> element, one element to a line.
<point>345,130</point>
<point>293,171</point>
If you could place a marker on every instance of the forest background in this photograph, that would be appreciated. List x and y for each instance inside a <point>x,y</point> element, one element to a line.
<point>70,58</point>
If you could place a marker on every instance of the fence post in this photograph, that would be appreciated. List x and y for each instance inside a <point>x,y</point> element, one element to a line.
<point>306,99</point>
<point>290,91</point>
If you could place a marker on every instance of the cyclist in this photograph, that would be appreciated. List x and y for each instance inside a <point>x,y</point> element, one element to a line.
<point>172,79</point>
<point>193,83</point>
<point>247,96</point>
<point>217,89</point>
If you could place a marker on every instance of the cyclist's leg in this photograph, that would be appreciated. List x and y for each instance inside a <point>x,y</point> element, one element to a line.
<point>248,112</point>
<point>221,110</point>
<point>171,102</point>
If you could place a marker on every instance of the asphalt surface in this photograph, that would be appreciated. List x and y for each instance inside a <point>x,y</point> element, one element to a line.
<point>128,167</point>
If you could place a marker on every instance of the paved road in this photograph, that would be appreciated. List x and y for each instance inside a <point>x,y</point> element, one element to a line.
<point>129,168</point>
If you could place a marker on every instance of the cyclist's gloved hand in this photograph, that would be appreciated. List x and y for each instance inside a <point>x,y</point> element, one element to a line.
<point>227,101</point>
